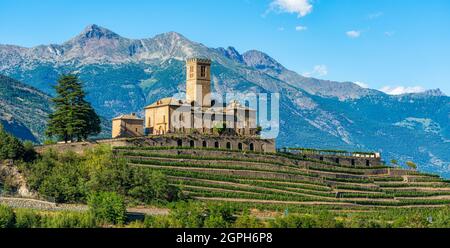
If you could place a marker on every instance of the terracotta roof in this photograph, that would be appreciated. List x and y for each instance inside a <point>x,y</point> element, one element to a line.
<point>131,116</point>
<point>169,101</point>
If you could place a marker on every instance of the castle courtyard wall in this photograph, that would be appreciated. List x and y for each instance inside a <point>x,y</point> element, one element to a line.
<point>195,141</point>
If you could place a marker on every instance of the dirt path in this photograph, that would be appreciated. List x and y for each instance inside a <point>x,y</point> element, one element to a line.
<point>50,206</point>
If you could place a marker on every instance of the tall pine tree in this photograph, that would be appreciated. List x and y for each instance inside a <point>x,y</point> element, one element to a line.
<point>73,118</point>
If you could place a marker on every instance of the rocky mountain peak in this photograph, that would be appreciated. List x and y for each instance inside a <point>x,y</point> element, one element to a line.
<point>260,60</point>
<point>97,32</point>
<point>427,93</point>
<point>171,37</point>
<point>434,92</point>
<point>232,54</point>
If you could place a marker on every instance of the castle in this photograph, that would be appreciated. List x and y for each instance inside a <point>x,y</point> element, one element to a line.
<point>211,122</point>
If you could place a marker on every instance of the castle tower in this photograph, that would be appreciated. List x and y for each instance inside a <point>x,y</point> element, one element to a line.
<point>198,82</point>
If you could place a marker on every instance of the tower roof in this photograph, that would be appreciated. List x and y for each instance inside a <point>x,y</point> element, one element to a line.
<point>199,60</point>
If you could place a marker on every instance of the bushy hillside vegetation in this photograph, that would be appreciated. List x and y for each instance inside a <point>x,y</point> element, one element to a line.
<point>218,188</point>
<point>71,178</point>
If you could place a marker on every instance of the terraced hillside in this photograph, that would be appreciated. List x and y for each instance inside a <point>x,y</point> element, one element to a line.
<point>285,179</point>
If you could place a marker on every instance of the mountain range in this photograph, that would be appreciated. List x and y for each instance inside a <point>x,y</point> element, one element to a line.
<point>123,75</point>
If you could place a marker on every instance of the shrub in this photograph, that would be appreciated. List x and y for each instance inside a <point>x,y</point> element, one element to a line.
<point>152,185</point>
<point>411,165</point>
<point>26,218</point>
<point>107,207</point>
<point>157,222</point>
<point>10,146</point>
<point>220,216</point>
<point>29,152</point>
<point>49,142</point>
<point>215,221</point>
<point>67,220</point>
<point>442,218</point>
<point>63,179</point>
<point>187,215</point>
<point>7,217</point>
<point>295,221</point>
<point>247,221</point>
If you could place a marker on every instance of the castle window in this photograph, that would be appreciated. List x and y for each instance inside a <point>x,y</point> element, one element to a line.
<point>216,144</point>
<point>149,122</point>
<point>252,147</point>
<point>192,143</point>
<point>240,147</point>
<point>353,162</point>
<point>205,144</point>
<point>337,161</point>
<point>202,71</point>
<point>179,143</point>
<point>228,145</point>
<point>367,163</point>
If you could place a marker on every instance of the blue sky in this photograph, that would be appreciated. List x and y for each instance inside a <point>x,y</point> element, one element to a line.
<point>401,45</point>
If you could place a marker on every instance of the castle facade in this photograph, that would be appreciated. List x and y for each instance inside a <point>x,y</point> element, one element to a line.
<point>198,114</point>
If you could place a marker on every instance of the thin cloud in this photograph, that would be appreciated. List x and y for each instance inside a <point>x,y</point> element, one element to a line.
<point>362,85</point>
<point>318,71</point>
<point>353,34</point>
<point>400,90</point>
<point>389,33</point>
<point>301,28</point>
<point>375,15</point>
<point>299,7</point>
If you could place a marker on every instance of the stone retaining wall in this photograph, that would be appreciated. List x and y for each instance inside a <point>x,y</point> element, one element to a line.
<point>243,143</point>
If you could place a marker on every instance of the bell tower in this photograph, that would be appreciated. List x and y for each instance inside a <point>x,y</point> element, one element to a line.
<point>198,82</point>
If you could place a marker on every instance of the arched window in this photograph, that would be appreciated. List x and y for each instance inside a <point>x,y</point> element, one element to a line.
<point>228,145</point>
<point>353,162</point>
<point>337,161</point>
<point>205,144</point>
<point>240,146</point>
<point>252,147</point>
<point>216,144</point>
<point>192,143</point>
<point>179,143</point>
<point>367,162</point>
